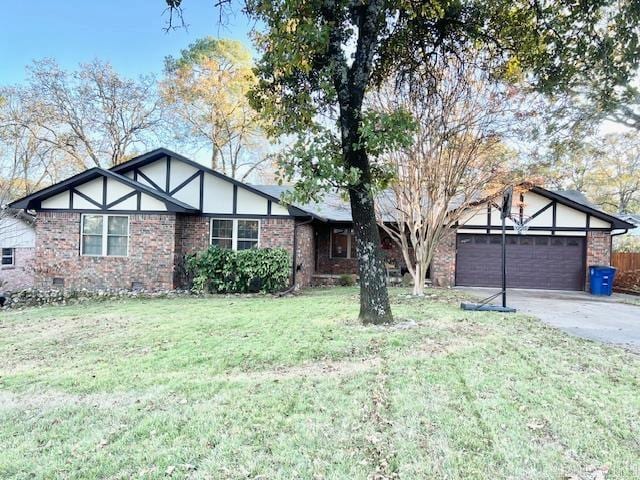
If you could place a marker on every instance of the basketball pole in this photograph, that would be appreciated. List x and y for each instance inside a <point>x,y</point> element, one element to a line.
<point>484,305</point>
<point>504,261</point>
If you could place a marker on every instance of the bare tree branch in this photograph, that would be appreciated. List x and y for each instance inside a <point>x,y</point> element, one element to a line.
<point>457,155</point>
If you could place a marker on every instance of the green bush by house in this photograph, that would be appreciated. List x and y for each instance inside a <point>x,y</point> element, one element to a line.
<point>219,270</point>
<point>346,280</point>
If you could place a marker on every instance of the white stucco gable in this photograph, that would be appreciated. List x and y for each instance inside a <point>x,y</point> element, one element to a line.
<point>101,190</point>
<point>548,213</point>
<point>208,191</point>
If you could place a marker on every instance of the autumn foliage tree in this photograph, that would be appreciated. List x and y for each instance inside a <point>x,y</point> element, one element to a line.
<point>206,90</point>
<point>605,167</point>
<point>616,177</point>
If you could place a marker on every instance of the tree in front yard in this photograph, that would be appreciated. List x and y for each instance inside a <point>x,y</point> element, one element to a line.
<point>319,58</point>
<point>205,90</point>
<point>457,156</point>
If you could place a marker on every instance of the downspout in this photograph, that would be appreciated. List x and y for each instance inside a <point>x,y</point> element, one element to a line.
<point>611,235</point>
<point>295,255</point>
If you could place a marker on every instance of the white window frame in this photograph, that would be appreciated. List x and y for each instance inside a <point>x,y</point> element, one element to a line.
<point>234,231</point>
<point>105,234</point>
<point>349,240</point>
<point>13,257</point>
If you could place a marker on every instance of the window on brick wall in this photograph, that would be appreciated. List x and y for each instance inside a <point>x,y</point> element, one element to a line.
<point>247,232</point>
<point>8,255</point>
<point>236,234</point>
<point>105,235</point>
<point>343,243</point>
<point>222,233</point>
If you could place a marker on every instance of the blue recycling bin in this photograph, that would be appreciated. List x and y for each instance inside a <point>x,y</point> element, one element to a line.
<point>601,279</point>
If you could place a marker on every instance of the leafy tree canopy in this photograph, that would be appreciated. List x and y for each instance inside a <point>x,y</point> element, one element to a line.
<point>319,54</point>
<point>229,53</point>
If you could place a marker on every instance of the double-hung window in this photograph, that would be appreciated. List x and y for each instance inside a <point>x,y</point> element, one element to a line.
<point>105,235</point>
<point>222,233</point>
<point>235,234</point>
<point>7,257</point>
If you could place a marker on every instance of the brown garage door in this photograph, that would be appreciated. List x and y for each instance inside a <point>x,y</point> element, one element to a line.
<point>551,262</point>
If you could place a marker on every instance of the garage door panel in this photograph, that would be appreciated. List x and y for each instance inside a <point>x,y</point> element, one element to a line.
<point>532,261</point>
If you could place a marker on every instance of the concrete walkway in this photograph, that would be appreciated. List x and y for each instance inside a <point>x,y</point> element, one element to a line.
<point>606,319</point>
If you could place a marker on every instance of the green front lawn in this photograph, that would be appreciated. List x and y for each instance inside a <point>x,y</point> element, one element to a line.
<point>236,387</point>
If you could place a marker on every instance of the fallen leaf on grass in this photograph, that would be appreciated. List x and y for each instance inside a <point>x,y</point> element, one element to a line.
<point>592,473</point>
<point>535,425</point>
<point>598,473</point>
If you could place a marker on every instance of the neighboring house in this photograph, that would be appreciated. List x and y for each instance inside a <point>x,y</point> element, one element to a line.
<point>17,246</point>
<point>132,225</point>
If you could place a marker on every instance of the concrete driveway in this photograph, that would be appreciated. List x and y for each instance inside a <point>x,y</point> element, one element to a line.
<point>606,319</point>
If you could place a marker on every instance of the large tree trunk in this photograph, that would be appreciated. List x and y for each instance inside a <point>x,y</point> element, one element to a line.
<point>374,299</point>
<point>351,84</point>
<point>214,158</point>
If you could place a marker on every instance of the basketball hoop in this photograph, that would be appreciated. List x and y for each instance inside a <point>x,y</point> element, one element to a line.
<point>520,223</point>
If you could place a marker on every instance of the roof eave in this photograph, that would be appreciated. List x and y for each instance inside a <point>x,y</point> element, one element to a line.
<point>25,202</point>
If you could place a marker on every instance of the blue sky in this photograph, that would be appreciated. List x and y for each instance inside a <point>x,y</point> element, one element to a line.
<point>127,33</point>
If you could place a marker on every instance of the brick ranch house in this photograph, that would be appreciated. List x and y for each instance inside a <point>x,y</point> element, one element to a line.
<point>131,226</point>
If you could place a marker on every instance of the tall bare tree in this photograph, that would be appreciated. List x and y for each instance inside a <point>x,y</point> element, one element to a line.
<point>457,156</point>
<point>26,162</point>
<point>93,115</point>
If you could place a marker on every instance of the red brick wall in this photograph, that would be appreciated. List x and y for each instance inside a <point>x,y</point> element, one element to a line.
<point>192,235</point>
<point>443,264</point>
<point>150,260</point>
<point>19,275</point>
<point>157,247</point>
<point>305,255</point>
<point>277,233</point>
<point>598,250</point>
<point>326,264</point>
